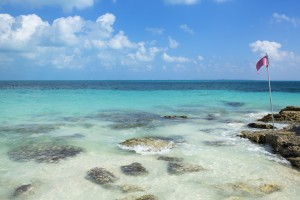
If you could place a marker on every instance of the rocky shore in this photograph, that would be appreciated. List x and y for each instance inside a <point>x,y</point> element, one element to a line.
<point>286,141</point>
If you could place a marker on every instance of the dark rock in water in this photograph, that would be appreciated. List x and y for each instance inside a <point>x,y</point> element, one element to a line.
<point>101,176</point>
<point>22,190</point>
<point>234,104</point>
<point>290,108</point>
<point>210,117</point>
<point>261,126</point>
<point>134,169</point>
<point>295,161</point>
<point>178,168</point>
<point>171,159</point>
<point>44,152</point>
<point>175,117</point>
<point>293,128</point>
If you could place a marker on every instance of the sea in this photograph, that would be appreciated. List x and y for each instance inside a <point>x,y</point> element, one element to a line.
<point>96,116</point>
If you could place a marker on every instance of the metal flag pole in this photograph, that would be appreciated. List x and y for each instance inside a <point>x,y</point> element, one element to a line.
<point>271,103</point>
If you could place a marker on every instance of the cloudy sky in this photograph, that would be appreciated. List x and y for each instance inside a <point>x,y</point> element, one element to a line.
<point>148,39</point>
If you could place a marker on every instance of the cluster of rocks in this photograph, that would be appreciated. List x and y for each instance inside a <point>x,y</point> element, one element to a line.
<point>286,141</point>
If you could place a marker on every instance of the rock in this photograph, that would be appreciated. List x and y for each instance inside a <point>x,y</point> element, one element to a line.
<point>290,114</point>
<point>101,176</point>
<point>30,128</point>
<point>131,188</point>
<point>148,144</point>
<point>175,117</point>
<point>293,128</point>
<point>257,136</point>
<point>295,161</point>
<point>269,188</point>
<point>134,169</point>
<point>22,190</point>
<point>261,126</point>
<point>171,159</point>
<point>43,152</point>
<point>126,126</point>
<point>234,198</point>
<point>178,168</point>
<point>147,197</point>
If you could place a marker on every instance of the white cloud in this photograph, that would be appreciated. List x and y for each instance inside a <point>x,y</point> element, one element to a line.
<point>284,18</point>
<point>66,5</point>
<point>185,2</point>
<point>272,48</point>
<point>187,29</point>
<point>200,58</point>
<point>70,42</point>
<point>178,59</point>
<point>173,43</point>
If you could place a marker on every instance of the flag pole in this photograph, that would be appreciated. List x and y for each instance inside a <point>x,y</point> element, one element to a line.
<point>271,103</point>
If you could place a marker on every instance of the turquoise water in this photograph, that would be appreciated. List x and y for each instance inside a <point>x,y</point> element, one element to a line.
<point>85,115</point>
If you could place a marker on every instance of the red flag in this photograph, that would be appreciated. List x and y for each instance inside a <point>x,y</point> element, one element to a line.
<point>263,61</point>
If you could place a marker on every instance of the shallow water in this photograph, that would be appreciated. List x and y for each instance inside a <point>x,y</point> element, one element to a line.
<point>97,116</point>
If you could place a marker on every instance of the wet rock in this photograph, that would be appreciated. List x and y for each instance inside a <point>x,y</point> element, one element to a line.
<point>269,188</point>
<point>210,117</point>
<point>101,176</point>
<point>44,152</point>
<point>290,114</point>
<point>257,136</point>
<point>295,161</point>
<point>234,198</point>
<point>175,117</point>
<point>178,168</point>
<point>23,190</point>
<point>170,159</point>
<point>134,169</point>
<point>131,188</point>
<point>261,126</point>
<point>148,143</point>
<point>293,128</point>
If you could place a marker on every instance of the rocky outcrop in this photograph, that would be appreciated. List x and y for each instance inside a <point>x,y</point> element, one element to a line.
<point>131,188</point>
<point>134,169</point>
<point>43,152</point>
<point>261,126</point>
<point>144,197</point>
<point>284,142</point>
<point>101,176</point>
<point>178,168</point>
<point>290,114</point>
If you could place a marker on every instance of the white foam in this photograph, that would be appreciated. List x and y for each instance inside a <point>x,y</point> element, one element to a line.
<point>145,150</point>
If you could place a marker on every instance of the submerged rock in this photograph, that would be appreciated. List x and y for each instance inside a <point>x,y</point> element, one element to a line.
<point>30,128</point>
<point>178,168</point>
<point>101,176</point>
<point>126,126</point>
<point>218,143</point>
<point>175,117</point>
<point>44,152</point>
<point>234,104</point>
<point>131,188</point>
<point>269,188</point>
<point>171,159</point>
<point>261,126</point>
<point>23,190</point>
<point>134,169</point>
<point>148,144</point>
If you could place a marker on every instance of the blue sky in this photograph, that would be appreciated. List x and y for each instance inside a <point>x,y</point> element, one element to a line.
<point>148,39</point>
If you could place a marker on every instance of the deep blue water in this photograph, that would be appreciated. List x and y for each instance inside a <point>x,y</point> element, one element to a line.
<point>245,86</point>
